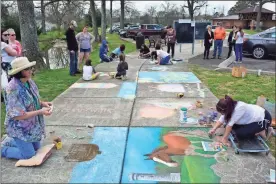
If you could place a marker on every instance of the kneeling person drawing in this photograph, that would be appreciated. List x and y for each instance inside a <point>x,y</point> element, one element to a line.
<point>247,120</point>
<point>163,58</point>
<point>122,68</point>
<point>89,72</point>
<point>24,112</point>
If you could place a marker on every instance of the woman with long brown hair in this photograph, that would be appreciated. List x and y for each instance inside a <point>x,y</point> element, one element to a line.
<point>247,120</point>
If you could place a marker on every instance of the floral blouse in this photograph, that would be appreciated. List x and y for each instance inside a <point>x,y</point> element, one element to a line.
<point>21,98</point>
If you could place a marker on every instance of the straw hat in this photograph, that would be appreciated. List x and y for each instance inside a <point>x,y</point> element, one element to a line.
<point>19,64</point>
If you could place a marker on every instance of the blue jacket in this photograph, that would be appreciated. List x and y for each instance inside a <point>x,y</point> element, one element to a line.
<point>103,49</point>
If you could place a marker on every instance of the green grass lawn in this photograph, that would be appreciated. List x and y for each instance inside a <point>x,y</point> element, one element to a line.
<point>244,89</point>
<point>51,83</point>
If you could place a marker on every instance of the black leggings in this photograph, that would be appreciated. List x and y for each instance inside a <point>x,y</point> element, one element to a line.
<point>249,130</point>
<point>171,45</point>
<point>230,49</point>
<point>206,51</point>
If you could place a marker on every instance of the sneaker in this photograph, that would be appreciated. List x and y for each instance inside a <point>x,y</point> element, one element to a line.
<point>214,57</point>
<point>124,78</point>
<point>78,72</point>
<point>118,77</point>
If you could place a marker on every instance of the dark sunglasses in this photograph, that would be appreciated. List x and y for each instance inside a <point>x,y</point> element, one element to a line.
<point>6,34</point>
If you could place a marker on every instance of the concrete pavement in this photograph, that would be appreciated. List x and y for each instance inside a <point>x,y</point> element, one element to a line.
<point>130,117</point>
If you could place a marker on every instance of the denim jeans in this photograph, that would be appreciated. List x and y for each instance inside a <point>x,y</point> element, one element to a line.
<point>218,46</point>
<point>165,60</point>
<point>238,51</point>
<point>73,62</point>
<point>20,149</point>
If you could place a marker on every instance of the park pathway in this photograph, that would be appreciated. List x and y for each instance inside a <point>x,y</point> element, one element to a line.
<point>129,118</point>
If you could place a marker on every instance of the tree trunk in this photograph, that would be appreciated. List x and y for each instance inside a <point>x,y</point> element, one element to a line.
<point>122,18</point>
<point>94,20</point>
<point>110,31</point>
<point>259,15</point>
<point>43,24</point>
<point>103,19</point>
<point>28,32</point>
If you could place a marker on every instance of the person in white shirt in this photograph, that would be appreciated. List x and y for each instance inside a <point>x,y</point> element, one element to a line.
<point>89,72</point>
<point>238,44</point>
<point>247,120</point>
<point>163,58</point>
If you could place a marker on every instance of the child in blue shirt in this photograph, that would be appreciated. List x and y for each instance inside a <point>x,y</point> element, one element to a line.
<point>117,51</point>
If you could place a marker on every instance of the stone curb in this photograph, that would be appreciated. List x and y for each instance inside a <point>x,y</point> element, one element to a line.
<point>228,69</point>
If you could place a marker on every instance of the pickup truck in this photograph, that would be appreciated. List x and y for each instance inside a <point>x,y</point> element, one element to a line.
<point>147,30</point>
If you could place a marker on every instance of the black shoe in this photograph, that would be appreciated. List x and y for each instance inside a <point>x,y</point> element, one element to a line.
<point>219,57</point>
<point>78,72</point>
<point>207,58</point>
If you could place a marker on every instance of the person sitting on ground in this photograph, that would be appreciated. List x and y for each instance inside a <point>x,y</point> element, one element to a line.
<point>144,51</point>
<point>89,72</point>
<point>163,58</point>
<point>24,112</point>
<point>116,52</point>
<point>103,52</point>
<point>246,120</point>
<point>14,43</point>
<point>122,68</point>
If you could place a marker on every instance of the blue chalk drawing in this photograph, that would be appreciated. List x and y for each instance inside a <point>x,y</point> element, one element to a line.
<point>107,166</point>
<point>140,141</point>
<point>167,77</point>
<point>128,90</point>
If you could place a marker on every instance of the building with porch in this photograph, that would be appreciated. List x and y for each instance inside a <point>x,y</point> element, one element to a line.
<point>247,19</point>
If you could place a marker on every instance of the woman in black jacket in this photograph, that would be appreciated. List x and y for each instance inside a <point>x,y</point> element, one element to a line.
<point>231,41</point>
<point>208,41</point>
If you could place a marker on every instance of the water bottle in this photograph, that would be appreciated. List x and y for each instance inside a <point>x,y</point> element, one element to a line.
<point>183,114</point>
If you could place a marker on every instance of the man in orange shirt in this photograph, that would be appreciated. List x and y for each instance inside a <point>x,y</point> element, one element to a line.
<point>219,36</point>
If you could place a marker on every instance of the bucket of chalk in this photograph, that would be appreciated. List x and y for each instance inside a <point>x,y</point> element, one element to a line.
<point>180,95</point>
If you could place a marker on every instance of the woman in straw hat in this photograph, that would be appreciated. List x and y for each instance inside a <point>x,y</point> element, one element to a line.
<point>24,112</point>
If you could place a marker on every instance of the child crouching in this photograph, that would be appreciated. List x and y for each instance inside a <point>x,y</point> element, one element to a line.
<point>122,68</point>
<point>89,72</point>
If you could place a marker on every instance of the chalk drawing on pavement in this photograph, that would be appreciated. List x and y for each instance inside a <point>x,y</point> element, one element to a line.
<point>127,90</point>
<point>93,85</point>
<point>167,77</point>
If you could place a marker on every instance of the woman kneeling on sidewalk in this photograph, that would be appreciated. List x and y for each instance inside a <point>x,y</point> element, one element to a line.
<point>246,120</point>
<point>24,112</point>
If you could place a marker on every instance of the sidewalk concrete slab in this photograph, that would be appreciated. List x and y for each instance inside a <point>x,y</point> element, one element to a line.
<point>152,90</point>
<point>53,170</point>
<point>97,111</point>
<point>164,112</point>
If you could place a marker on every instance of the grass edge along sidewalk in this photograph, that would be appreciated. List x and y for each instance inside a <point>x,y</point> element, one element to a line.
<point>52,83</point>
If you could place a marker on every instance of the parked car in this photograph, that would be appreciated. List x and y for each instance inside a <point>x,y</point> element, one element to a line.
<point>147,30</point>
<point>123,32</point>
<point>271,29</point>
<point>260,45</point>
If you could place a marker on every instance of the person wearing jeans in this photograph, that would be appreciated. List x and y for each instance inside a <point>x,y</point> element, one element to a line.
<point>238,45</point>
<point>171,37</point>
<point>72,46</point>
<point>24,121</point>
<point>219,36</point>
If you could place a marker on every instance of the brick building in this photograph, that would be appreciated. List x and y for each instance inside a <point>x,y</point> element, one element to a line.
<point>247,19</point>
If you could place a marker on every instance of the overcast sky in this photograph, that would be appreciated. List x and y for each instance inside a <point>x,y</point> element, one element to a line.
<point>143,5</point>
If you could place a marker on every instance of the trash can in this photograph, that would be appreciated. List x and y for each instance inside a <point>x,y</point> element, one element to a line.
<point>140,39</point>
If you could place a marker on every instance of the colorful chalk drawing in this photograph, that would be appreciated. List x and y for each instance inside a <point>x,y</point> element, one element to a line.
<point>172,88</point>
<point>93,85</point>
<point>167,77</point>
<point>128,90</point>
<point>159,68</point>
<point>107,166</point>
<point>151,111</point>
<point>168,155</point>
